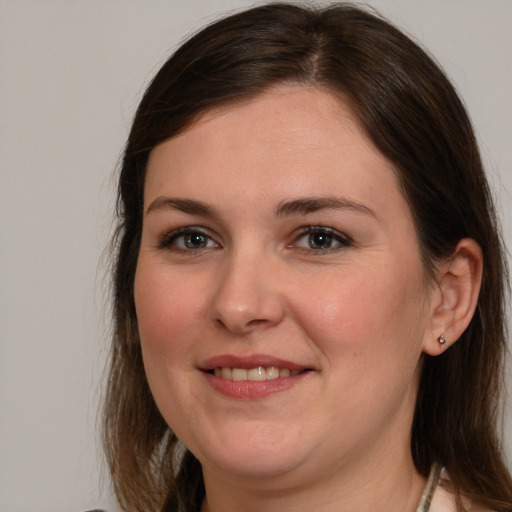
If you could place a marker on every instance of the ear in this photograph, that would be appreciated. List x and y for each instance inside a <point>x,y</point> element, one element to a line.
<point>455,296</point>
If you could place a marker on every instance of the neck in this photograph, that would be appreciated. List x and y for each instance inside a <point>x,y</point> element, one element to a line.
<point>390,484</point>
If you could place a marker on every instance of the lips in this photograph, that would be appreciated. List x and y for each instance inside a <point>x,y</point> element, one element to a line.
<point>252,377</point>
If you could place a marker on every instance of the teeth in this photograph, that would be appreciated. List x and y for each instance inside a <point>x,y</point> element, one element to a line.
<point>255,374</point>
<point>272,372</point>
<point>239,374</point>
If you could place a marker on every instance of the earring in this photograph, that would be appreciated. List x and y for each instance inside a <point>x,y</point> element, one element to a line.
<point>441,339</point>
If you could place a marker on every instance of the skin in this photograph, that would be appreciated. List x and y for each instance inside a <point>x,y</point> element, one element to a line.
<point>358,314</point>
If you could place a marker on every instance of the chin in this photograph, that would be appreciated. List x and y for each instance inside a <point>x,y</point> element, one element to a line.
<point>270,467</point>
<point>257,456</point>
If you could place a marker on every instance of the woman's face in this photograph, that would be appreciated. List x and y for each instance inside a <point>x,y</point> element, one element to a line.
<point>280,295</point>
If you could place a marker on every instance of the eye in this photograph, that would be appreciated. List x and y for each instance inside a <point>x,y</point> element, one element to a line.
<point>188,239</point>
<point>318,238</point>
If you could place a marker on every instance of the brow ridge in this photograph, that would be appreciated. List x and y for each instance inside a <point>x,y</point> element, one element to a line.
<point>190,206</point>
<point>307,205</point>
<point>300,206</point>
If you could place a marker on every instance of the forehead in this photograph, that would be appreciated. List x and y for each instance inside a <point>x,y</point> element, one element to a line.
<point>295,127</point>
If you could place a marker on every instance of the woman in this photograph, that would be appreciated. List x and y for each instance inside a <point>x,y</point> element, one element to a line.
<point>309,280</point>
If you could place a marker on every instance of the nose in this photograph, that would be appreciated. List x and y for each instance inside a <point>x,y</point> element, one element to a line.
<point>247,296</point>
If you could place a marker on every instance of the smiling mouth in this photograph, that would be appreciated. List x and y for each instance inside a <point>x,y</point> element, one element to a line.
<point>259,373</point>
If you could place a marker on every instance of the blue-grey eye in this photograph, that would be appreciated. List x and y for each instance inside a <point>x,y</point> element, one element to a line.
<point>189,240</point>
<point>195,240</point>
<point>320,240</point>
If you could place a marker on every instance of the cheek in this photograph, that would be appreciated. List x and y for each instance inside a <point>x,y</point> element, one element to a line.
<point>367,315</point>
<point>368,332</point>
<point>167,313</point>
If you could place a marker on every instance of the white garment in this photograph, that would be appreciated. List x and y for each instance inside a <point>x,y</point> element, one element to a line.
<point>442,500</point>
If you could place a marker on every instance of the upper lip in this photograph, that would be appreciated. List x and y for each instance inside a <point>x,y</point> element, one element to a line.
<point>248,362</point>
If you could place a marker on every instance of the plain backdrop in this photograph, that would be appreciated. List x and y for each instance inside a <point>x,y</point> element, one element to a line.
<point>71,74</point>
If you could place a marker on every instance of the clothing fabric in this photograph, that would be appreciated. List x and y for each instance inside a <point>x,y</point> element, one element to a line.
<point>431,487</point>
<point>436,497</point>
<point>442,501</point>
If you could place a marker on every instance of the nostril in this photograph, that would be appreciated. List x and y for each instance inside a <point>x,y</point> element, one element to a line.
<point>220,323</point>
<point>257,322</point>
<point>242,326</point>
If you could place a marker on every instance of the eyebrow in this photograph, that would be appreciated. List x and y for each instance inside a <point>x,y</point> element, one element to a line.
<point>300,206</point>
<point>189,206</point>
<point>314,204</point>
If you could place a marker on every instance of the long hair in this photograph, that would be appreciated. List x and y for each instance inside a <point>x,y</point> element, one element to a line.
<point>413,115</point>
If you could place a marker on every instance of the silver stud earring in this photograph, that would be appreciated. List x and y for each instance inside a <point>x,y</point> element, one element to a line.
<point>441,339</point>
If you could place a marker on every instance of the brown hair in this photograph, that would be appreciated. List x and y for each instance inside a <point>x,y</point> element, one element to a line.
<point>414,117</point>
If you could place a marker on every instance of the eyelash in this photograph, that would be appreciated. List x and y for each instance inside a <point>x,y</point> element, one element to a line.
<point>342,241</point>
<point>168,241</point>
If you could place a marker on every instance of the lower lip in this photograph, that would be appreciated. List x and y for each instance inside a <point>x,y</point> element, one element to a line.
<point>251,389</point>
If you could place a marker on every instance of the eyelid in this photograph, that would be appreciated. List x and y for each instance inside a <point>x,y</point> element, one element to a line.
<point>165,241</point>
<point>343,240</point>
